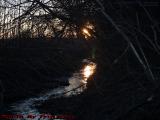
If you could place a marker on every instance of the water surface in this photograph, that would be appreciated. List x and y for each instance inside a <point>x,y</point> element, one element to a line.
<point>77,84</point>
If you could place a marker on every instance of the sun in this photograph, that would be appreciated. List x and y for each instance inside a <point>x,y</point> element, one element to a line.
<point>86,30</point>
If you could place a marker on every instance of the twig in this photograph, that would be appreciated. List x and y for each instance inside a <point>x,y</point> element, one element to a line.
<point>123,34</point>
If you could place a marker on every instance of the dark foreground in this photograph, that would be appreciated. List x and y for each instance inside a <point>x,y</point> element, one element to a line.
<point>118,96</point>
<point>125,101</point>
<point>29,71</point>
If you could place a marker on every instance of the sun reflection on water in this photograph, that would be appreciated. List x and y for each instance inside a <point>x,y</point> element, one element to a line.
<point>88,71</point>
<point>78,82</point>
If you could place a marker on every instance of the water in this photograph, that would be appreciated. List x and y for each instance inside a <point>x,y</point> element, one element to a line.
<point>77,84</point>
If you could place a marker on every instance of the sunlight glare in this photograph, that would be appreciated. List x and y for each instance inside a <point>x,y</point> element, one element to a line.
<point>86,32</point>
<point>88,71</point>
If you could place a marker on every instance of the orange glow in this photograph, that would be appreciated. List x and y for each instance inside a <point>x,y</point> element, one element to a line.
<point>88,71</point>
<point>86,30</point>
<point>90,26</point>
<point>86,33</point>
